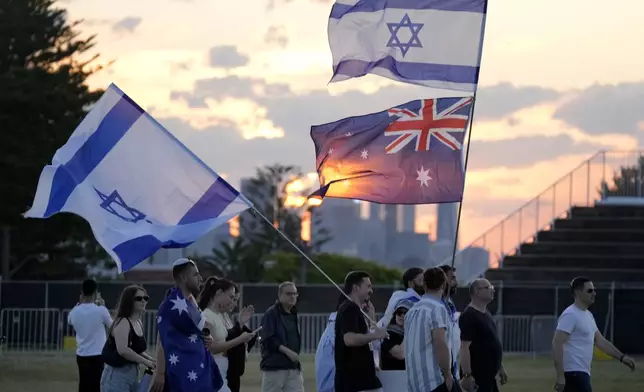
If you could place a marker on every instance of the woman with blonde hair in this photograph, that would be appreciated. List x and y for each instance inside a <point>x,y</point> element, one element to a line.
<point>215,301</point>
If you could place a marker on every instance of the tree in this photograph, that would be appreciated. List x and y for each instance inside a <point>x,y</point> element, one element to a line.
<point>286,267</point>
<point>628,182</point>
<point>43,96</point>
<point>257,238</point>
<point>237,260</point>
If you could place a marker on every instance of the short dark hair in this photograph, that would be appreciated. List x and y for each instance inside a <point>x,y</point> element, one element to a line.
<point>434,278</point>
<point>447,268</point>
<point>354,278</point>
<point>410,275</point>
<point>177,270</point>
<point>578,284</point>
<point>89,287</point>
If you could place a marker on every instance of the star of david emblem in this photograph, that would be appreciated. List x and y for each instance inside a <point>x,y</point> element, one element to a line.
<point>414,29</point>
<point>115,205</point>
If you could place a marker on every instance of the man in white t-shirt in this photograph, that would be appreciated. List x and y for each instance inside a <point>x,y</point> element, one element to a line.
<point>575,338</point>
<point>89,318</point>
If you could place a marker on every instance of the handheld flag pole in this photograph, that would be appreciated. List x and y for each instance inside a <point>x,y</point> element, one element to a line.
<point>301,252</point>
<point>469,138</point>
<point>460,205</point>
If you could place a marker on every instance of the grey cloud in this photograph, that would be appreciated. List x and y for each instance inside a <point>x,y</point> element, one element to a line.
<point>229,87</point>
<point>492,103</point>
<point>604,109</point>
<point>504,98</point>
<point>295,113</point>
<point>525,151</point>
<point>276,35</point>
<point>126,25</point>
<point>227,56</point>
<point>226,151</point>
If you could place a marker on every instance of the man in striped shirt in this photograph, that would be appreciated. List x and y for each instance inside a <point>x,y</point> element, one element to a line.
<point>427,333</point>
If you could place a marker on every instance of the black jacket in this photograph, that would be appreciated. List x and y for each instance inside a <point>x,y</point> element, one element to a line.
<point>237,354</point>
<point>273,335</point>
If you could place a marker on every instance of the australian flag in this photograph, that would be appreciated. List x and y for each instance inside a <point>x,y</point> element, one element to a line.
<point>409,154</point>
<point>189,365</point>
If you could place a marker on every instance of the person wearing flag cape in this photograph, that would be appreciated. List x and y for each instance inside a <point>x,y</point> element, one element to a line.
<point>189,367</point>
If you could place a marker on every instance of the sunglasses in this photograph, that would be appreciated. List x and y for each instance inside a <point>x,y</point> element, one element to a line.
<point>141,298</point>
<point>590,291</point>
<point>401,313</point>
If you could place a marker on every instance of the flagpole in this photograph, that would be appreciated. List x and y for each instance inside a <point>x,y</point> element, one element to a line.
<point>460,205</point>
<point>300,251</point>
<point>469,138</point>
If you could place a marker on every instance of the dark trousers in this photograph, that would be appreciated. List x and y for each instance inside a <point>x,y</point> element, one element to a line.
<point>234,383</point>
<point>487,385</point>
<point>577,382</point>
<point>89,373</point>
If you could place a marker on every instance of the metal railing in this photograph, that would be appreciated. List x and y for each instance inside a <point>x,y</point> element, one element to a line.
<point>605,174</point>
<point>31,331</point>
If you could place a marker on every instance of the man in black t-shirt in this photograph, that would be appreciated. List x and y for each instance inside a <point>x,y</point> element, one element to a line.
<point>355,369</point>
<point>481,350</point>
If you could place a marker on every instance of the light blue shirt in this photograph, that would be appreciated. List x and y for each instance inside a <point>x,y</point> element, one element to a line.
<point>423,371</point>
<point>325,358</point>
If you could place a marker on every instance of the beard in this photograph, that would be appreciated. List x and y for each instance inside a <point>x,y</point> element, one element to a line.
<point>419,289</point>
<point>450,291</point>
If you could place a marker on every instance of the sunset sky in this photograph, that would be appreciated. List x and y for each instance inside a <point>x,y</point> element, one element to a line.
<point>242,82</point>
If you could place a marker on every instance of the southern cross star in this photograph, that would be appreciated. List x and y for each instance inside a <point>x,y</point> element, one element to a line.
<point>423,176</point>
<point>180,305</point>
<point>414,29</point>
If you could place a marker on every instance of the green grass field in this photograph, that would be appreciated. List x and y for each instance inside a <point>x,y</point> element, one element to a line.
<point>58,374</point>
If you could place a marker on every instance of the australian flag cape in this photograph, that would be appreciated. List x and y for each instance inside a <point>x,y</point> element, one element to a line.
<point>189,365</point>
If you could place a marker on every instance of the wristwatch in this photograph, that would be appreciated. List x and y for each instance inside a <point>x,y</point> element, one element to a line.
<point>467,375</point>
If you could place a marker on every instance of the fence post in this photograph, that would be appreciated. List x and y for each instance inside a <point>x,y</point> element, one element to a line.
<point>556,301</point>
<point>241,297</point>
<point>570,190</point>
<point>499,300</point>
<point>588,182</point>
<point>612,310</point>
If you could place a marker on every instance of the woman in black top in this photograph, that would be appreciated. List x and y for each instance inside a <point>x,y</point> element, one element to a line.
<point>392,354</point>
<point>125,348</point>
<point>237,354</point>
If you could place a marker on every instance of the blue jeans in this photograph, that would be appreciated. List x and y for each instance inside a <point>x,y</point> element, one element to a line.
<point>577,382</point>
<point>120,379</point>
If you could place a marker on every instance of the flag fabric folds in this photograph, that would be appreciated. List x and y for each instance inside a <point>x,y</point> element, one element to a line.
<point>409,154</point>
<point>433,43</point>
<point>139,188</point>
<point>188,363</point>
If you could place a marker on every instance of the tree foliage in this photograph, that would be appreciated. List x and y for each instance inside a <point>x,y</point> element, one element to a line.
<point>287,265</point>
<point>242,259</point>
<point>43,97</point>
<point>629,181</point>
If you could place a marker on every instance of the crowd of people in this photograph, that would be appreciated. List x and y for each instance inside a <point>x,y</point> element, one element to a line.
<point>421,344</point>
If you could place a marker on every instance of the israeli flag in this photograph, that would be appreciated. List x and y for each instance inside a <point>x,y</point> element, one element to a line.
<point>139,188</point>
<point>432,43</point>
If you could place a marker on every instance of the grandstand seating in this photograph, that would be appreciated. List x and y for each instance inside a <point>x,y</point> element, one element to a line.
<point>603,242</point>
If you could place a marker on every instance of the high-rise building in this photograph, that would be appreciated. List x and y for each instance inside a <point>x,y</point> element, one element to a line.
<point>446,221</point>
<point>406,218</point>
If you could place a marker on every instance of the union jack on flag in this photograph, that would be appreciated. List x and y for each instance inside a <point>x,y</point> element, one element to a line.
<point>428,122</point>
<point>357,158</point>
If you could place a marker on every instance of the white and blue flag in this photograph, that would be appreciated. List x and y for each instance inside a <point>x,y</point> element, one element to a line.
<point>433,43</point>
<point>139,187</point>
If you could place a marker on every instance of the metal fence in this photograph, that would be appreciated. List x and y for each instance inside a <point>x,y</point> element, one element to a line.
<point>592,180</point>
<point>26,331</point>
